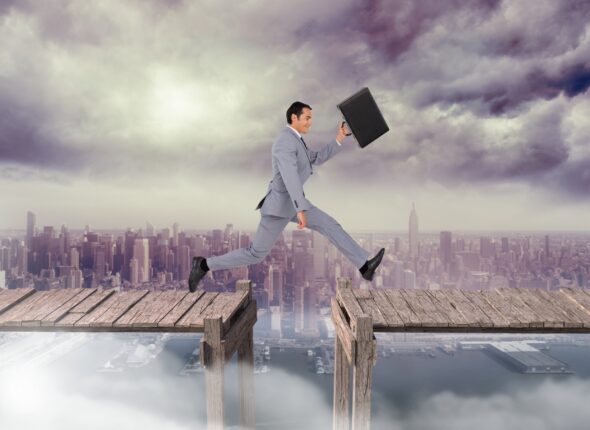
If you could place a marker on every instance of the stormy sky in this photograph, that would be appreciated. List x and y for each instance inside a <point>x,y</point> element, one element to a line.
<point>117,113</point>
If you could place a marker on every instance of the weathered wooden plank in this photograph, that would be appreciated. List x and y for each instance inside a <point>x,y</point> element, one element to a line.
<point>213,350</point>
<point>471,311</point>
<point>84,307</point>
<point>423,307</point>
<point>10,298</point>
<point>34,316</point>
<point>111,309</point>
<point>369,307</point>
<point>548,314</point>
<point>392,318</point>
<point>51,318</point>
<point>525,313</point>
<point>400,305</point>
<point>349,302</point>
<point>445,306</point>
<point>508,307</point>
<point>151,309</point>
<point>180,309</point>
<point>237,332</point>
<point>235,301</point>
<point>193,317</point>
<point>485,307</point>
<point>362,373</point>
<point>577,295</point>
<point>341,397</point>
<point>343,330</point>
<point>13,317</point>
<point>574,314</point>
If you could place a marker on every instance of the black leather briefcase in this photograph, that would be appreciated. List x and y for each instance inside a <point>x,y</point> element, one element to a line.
<point>363,117</point>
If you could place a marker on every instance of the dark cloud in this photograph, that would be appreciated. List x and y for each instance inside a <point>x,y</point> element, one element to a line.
<point>77,87</point>
<point>391,27</point>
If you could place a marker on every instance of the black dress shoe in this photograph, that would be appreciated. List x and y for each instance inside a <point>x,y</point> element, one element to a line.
<point>372,265</point>
<point>197,273</point>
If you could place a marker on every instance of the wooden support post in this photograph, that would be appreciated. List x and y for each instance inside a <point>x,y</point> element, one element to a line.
<point>246,368</point>
<point>362,328</point>
<point>340,419</point>
<point>214,356</point>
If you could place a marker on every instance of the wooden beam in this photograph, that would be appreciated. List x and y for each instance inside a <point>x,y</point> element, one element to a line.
<point>343,331</point>
<point>212,350</point>
<point>362,373</point>
<point>239,330</point>
<point>246,377</point>
<point>341,408</point>
<point>10,298</point>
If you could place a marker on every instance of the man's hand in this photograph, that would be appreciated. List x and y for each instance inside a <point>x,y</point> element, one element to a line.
<point>301,218</point>
<point>342,132</point>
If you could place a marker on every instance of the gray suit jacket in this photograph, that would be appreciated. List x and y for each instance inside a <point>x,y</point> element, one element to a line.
<point>291,167</point>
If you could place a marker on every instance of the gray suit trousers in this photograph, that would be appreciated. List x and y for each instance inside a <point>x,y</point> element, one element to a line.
<point>271,226</point>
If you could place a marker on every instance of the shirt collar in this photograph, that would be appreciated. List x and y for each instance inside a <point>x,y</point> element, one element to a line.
<point>296,132</point>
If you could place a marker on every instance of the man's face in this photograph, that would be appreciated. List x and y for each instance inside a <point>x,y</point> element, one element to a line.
<point>302,123</point>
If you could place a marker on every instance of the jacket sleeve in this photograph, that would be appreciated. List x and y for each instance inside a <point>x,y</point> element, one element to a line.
<point>324,154</point>
<point>286,156</point>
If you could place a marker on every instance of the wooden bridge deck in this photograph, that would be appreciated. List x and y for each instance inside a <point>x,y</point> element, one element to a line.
<point>225,319</point>
<point>357,314</point>
<point>500,310</point>
<point>84,309</point>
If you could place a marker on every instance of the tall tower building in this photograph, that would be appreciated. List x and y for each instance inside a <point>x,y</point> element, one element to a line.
<point>141,254</point>
<point>413,239</point>
<point>409,279</point>
<point>319,258</point>
<point>74,258</point>
<point>175,234</point>
<point>129,241</point>
<point>149,229</point>
<point>133,272</point>
<point>185,262</point>
<point>446,251</point>
<point>275,286</point>
<point>31,220</point>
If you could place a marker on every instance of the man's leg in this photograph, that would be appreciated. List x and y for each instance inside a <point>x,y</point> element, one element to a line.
<point>268,231</point>
<point>318,220</point>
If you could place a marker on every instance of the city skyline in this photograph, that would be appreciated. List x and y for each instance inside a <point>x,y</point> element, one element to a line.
<point>488,118</point>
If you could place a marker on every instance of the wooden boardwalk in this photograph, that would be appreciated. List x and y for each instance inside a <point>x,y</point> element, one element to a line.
<point>84,309</point>
<point>357,314</point>
<point>225,319</point>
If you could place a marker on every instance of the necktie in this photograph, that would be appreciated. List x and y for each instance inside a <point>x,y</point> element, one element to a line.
<point>304,143</point>
<point>306,150</point>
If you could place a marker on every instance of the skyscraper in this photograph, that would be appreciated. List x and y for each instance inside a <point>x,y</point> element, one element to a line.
<point>175,234</point>
<point>149,229</point>
<point>319,259</point>
<point>133,272</point>
<point>409,279</point>
<point>413,232</point>
<point>275,286</point>
<point>141,254</point>
<point>31,220</point>
<point>446,251</point>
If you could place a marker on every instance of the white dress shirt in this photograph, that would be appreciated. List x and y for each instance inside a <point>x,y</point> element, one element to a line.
<point>300,134</point>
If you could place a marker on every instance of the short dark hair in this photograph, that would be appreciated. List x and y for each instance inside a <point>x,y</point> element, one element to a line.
<point>297,109</point>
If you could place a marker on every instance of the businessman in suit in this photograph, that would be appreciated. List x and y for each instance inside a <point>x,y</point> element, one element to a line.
<point>292,165</point>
